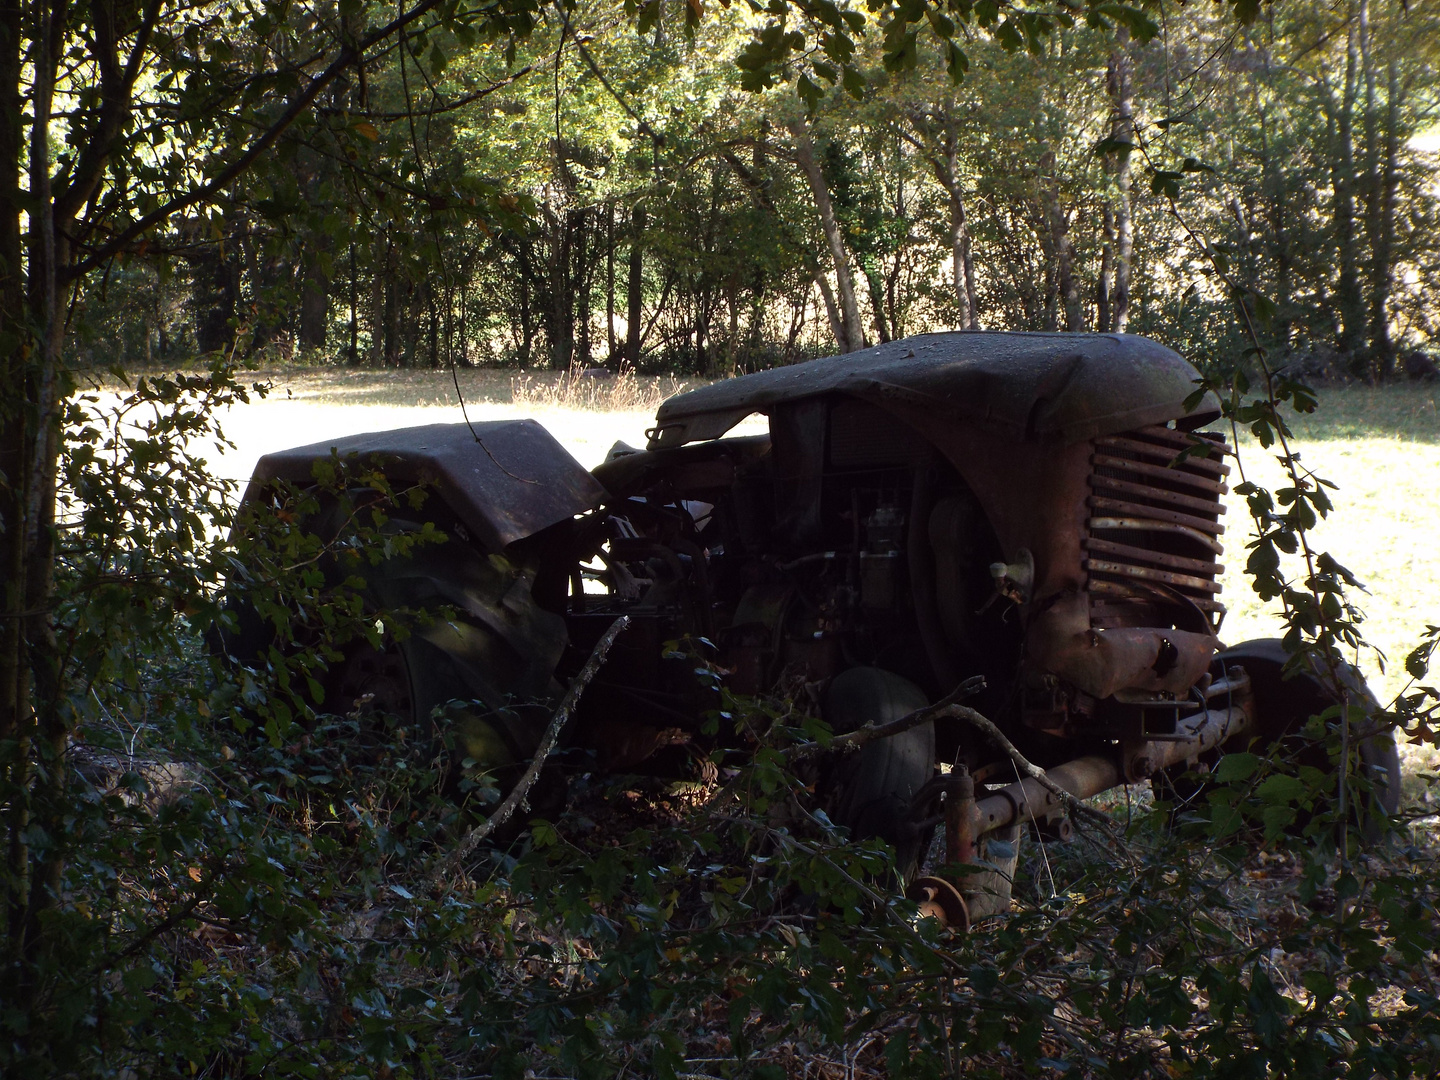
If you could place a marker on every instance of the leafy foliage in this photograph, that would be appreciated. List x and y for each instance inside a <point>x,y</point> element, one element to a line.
<point>207,871</point>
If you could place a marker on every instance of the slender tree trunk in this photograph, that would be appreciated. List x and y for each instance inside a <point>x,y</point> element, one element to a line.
<point>1122,128</point>
<point>560,322</point>
<point>1066,288</point>
<point>851,336</point>
<point>877,298</point>
<point>1105,282</point>
<point>634,286</point>
<point>314,301</point>
<point>354,352</point>
<point>14,335</point>
<point>832,312</point>
<point>1369,184</point>
<point>582,288</point>
<point>610,283</point>
<point>1348,295</point>
<point>947,171</point>
<point>1382,244</point>
<point>43,731</point>
<point>526,343</point>
<point>732,338</point>
<point>432,315</point>
<point>379,306</point>
<point>1272,181</point>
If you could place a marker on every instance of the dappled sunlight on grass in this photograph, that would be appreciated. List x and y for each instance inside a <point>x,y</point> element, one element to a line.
<point>1383,530</point>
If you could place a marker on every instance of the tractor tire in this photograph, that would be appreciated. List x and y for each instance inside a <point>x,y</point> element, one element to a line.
<point>480,653</point>
<point>1282,708</point>
<point>470,643</point>
<point>871,789</point>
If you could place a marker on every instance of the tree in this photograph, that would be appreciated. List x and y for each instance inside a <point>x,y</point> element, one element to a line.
<point>115,121</point>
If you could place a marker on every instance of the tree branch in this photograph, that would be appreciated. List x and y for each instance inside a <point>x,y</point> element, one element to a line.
<point>1034,772</point>
<point>344,59</point>
<point>512,802</point>
<point>853,740</point>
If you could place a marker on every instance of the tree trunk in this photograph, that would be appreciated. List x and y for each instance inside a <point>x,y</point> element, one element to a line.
<point>610,357</point>
<point>1118,82</point>
<point>1348,295</point>
<point>732,336</point>
<point>961,262</point>
<point>633,287</point>
<point>314,302</point>
<point>432,325</point>
<point>378,307</point>
<point>1273,186</point>
<point>559,317</point>
<point>1382,240</point>
<point>837,324</point>
<point>1066,288</point>
<point>353,354</point>
<point>581,288</point>
<point>850,335</point>
<point>877,298</point>
<point>1105,282</point>
<point>217,290</point>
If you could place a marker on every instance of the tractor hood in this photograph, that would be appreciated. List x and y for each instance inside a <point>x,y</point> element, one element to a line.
<point>1042,388</point>
<point>504,479</point>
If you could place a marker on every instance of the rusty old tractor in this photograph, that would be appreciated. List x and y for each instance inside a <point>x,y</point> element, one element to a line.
<point>1040,510</point>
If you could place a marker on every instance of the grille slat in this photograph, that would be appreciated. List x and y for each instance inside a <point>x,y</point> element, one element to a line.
<point>1130,553</point>
<point>1153,532</point>
<point>1151,491</point>
<point>1162,472</point>
<point>1209,466</point>
<point>1120,506</point>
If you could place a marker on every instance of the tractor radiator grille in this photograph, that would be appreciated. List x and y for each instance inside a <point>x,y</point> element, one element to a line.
<point>1153,537</point>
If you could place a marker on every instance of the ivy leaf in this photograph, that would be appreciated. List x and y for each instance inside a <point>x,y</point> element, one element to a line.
<point>1165,182</point>
<point>1233,768</point>
<point>1112,145</point>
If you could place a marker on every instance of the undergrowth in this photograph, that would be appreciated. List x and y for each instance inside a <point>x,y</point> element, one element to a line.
<point>247,881</point>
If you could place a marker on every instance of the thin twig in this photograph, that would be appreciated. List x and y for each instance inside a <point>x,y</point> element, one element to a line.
<point>512,802</point>
<point>1034,772</point>
<point>853,740</point>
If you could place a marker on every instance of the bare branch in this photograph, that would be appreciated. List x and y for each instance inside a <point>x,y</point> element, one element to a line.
<point>512,802</point>
<point>853,740</point>
<point>342,62</point>
<point>988,728</point>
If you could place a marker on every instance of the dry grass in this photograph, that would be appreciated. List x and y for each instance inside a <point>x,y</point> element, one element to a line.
<point>596,389</point>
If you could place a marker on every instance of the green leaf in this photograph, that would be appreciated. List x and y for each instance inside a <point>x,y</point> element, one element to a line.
<point>1281,788</point>
<point>1236,767</point>
<point>1165,182</point>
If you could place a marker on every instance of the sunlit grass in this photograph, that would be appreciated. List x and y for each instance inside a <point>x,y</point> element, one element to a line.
<point>1381,447</point>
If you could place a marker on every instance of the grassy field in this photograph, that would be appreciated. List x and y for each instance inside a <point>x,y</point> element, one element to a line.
<point>1380,446</point>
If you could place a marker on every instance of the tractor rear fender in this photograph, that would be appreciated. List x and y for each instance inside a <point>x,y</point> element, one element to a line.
<point>504,480</point>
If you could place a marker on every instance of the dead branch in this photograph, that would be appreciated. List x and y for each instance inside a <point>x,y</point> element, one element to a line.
<point>853,740</point>
<point>1034,772</point>
<point>512,802</point>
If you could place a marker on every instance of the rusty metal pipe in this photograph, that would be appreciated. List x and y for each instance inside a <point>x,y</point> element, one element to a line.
<point>960,817</point>
<point>1029,800</point>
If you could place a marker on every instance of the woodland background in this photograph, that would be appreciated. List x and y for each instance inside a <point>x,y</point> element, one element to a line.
<point>600,193</point>
<point>207,874</point>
